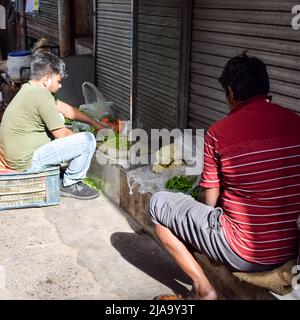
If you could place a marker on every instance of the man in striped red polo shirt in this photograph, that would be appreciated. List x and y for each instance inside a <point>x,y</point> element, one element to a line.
<point>250,182</point>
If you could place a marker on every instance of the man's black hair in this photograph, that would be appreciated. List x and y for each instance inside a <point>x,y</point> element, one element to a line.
<point>46,63</point>
<point>247,77</point>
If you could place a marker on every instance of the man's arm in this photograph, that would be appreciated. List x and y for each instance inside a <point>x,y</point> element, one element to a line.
<point>75,114</point>
<point>61,133</point>
<point>210,197</point>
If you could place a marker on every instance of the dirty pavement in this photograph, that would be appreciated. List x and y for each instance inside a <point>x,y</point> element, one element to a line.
<point>82,250</point>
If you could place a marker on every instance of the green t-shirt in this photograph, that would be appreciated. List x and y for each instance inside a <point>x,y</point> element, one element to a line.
<point>26,125</point>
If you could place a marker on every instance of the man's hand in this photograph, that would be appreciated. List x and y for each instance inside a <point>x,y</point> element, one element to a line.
<point>99,126</point>
<point>75,114</point>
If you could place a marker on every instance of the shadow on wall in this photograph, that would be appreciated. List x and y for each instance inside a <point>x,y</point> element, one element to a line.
<point>146,255</point>
<point>80,69</point>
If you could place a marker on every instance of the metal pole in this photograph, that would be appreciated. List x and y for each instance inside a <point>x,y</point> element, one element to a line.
<point>134,63</point>
<point>95,27</point>
<point>184,72</point>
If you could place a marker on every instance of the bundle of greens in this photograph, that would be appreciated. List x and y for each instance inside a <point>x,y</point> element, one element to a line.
<point>180,183</point>
<point>68,122</point>
<point>93,130</point>
<point>195,192</point>
<point>117,141</point>
<point>94,183</point>
<point>183,184</point>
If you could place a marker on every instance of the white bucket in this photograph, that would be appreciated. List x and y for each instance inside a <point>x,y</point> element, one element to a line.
<point>16,60</point>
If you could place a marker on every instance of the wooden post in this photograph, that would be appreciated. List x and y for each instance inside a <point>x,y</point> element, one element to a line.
<point>22,26</point>
<point>64,24</point>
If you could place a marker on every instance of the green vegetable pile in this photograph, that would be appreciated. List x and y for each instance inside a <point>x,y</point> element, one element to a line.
<point>94,183</point>
<point>180,183</point>
<point>195,192</point>
<point>93,130</point>
<point>68,122</point>
<point>118,142</point>
<point>183,184</point>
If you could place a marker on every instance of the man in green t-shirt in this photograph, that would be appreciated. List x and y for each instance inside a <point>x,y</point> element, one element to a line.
<point>33,135</point>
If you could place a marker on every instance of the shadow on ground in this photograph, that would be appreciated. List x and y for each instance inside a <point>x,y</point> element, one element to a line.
<point>145,254</point>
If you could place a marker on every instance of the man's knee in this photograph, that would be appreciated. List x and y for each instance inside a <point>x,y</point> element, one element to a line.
<point>88,139</point>
<point>157,206</point>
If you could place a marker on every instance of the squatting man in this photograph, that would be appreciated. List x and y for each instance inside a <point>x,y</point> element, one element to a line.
<point>247,215</point>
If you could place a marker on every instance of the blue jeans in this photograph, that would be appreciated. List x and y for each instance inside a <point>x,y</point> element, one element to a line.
<point>77,149</point>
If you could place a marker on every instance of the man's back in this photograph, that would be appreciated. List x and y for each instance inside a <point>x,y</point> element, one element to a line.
<point>253,155</point>
<point>25,125</point>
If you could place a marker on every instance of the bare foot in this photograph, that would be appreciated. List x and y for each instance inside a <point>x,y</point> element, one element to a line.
<point>212,295</point>
<point>197,293</point>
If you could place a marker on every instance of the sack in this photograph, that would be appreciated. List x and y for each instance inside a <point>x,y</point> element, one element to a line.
<point>278,280</point>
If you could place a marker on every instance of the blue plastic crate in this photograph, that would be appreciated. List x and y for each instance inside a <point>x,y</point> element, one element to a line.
<point>29,190</point>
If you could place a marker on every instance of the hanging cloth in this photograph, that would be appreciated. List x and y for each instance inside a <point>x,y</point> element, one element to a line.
<point>32,6</point>
<point>2,18</point>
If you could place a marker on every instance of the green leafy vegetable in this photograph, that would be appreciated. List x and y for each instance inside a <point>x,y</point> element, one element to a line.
<point>95,183</point>
<point>68,122</point>
<point>183,184</point>
<point>195,192</point>
<point>93,130</point>
<point>117,141</point>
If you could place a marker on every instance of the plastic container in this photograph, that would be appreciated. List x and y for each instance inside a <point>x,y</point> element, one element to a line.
<point>17,62</point>
<point>28,190</point>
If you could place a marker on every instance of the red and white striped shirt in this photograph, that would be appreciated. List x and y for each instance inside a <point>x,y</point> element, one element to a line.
<point>253,155</point>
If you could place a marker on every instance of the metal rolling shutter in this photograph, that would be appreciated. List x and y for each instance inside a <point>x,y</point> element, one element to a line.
<point>158,61</point>
<point>224,28</point>
<point>44,24</point>
<point>113,52</point>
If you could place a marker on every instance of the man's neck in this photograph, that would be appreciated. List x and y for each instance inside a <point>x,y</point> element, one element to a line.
<point>241,104</point>
<point>37,83</point>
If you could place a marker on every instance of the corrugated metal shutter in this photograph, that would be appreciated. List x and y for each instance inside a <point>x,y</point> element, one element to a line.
<point>224,28</point>
<point>113,52</point>
<point>159,55</point>
<point>44,24</point>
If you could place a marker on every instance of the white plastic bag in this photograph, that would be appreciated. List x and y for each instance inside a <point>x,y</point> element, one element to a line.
<point>192,148</point>
<point>149,181</point>
<point>95,105</point>
<point>80,127</point>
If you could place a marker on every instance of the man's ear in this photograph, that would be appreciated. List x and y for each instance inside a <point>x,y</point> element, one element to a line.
<point>231,95</point>
<point>46,79</point>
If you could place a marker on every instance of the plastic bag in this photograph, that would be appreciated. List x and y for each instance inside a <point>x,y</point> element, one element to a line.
<point>150,181</point>
<point>192,152</point>
<point>191,157</point>
<point>187,150</point>
<point>95,105</point>
<point>80,127</point>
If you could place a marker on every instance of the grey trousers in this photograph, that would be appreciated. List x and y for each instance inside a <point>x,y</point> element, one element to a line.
<point>199,226</point>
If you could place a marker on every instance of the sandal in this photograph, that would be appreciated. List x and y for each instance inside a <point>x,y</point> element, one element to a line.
<point>168,297</point>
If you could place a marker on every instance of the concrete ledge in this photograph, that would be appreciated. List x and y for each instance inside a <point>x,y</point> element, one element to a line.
<point>228,286</point>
